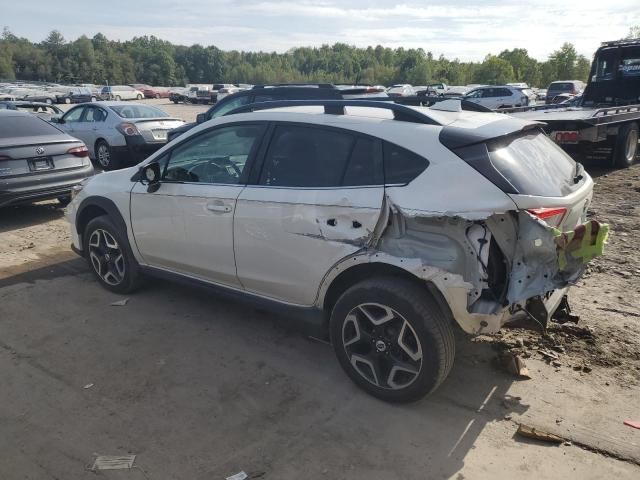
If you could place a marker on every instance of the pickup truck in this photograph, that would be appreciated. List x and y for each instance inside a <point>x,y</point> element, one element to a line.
<point>604,122</point>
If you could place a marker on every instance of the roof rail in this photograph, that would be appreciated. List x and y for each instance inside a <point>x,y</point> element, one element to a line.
<point>429,101</point>
<point>274,85</point>
<point>626,41</point>
<point>336,107</point>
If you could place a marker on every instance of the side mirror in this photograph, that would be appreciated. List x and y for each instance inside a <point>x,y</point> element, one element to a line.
<point>201,118</point>
<point>150,176</point>
<point>57,119</point>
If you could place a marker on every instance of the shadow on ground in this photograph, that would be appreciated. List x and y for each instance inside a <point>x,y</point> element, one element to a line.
<point>200,387</point>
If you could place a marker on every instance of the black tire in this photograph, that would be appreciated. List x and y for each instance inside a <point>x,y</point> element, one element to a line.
<point>625,148</point>
<point>105,157</point>
<point>118,98</point>
<point>67,100</point>
<point>431,333</point>
<point>157,96</point>
<point>48,101</point>
<point>176,102</point>
<point>139,97</point>
<point>126,270</point>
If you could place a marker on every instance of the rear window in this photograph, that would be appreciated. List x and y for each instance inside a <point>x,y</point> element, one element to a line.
<point>400,165</point>
<point>138,111</point>
<point>561,87</point>
<point>533,165</point>
<point>25,126</point>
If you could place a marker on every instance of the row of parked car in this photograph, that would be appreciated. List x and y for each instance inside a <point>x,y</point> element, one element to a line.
<point>63,94</point>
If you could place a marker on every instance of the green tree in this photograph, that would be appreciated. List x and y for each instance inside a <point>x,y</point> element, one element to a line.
<point>494,71</point>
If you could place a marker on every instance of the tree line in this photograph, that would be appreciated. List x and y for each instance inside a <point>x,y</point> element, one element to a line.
<point>150,60</point>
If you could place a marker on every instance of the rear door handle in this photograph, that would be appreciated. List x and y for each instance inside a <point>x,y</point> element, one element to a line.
<point>213,207</point>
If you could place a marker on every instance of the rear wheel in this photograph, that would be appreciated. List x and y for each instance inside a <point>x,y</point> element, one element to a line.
<point>392,339</point>
<point>626,146</point>
<point>67,100</point>
<point>110,256</point>
<point>157,95</point>
<point>105,156</point>
<point>94,99</point>
<point>48,101</point>
<point>139,97</point>
<point>118,98</point>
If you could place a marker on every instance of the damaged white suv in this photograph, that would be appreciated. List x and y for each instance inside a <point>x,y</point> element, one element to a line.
<point>388,224</point>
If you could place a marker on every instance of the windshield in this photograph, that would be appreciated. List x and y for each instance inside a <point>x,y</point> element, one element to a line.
<point>534,165</point>
<point>138,111</point>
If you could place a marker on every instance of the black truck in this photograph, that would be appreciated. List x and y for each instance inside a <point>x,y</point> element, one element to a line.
<point>604,121</point>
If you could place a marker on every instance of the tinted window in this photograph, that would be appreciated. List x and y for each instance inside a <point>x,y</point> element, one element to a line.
<point>504,92</point>
<point>400,165</point>
<point>561,87</point>
<point>227,106</point>
<point>365,164</point>
<point>138,111</point>
<point>263,98</point>
<point>217,156</point>
<point>534,165</point>
<point>306,157</point>
<point>25,126</point>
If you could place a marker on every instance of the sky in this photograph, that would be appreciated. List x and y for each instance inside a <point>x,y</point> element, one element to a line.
<point>467,30</point>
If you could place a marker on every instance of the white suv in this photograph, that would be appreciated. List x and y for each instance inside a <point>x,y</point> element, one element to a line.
<point>498,97</point>
<point>386,224</point>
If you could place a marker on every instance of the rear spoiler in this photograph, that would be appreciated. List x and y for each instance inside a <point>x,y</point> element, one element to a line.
<point>454,137</point>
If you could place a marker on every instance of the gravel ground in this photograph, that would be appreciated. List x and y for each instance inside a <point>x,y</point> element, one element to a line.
<point>313,419</point>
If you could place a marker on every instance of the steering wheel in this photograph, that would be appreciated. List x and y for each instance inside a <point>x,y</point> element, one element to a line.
<point>215,170</point>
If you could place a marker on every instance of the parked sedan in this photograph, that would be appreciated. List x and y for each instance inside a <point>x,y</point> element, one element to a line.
<point>37,160</point>
<point>118,133</point>
<point>156,92</point>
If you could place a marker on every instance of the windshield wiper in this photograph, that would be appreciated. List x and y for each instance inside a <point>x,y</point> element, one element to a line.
<point>577,176</point>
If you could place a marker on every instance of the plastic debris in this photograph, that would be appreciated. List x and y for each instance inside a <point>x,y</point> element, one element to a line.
<point>536,434</point>
<point>120,303</point>
<point>88,385</point>
<point>633,424</point>
<point>238,476</point>
<point>113,462</point>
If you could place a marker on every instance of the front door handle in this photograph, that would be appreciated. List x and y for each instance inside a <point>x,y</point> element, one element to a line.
<point>212,207</point>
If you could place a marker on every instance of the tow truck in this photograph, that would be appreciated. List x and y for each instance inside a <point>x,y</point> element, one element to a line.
<point>604,121</point>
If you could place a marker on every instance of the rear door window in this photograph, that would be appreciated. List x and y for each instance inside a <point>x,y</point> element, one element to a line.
<point>312,157</point>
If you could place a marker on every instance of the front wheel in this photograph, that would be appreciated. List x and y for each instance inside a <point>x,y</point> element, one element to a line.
<point>110,256</point>
<point>48,101</point>
<point>118,98</point>
<point>94,99</point>
<point>67,100</point>
<point>626,146</point>
<point>139,97</point>
<point>392,339</point>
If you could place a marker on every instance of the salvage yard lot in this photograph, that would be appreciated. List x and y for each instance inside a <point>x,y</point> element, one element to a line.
<point>200,388</point>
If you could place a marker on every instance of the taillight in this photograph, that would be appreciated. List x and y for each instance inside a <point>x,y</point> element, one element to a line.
<point>567,137</point>
<point>552,216</point>
<point>79,151</point>
<point>128,129</point>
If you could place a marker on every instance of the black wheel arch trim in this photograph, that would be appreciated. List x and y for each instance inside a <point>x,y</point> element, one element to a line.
<point>105,204</point>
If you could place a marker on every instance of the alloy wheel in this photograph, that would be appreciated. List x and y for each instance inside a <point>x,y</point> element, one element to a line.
<point>382,346</point>
<point>104,156</point>
<point>106,257</point>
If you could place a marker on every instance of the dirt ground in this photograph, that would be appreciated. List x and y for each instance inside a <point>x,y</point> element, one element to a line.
<point>201,388</point>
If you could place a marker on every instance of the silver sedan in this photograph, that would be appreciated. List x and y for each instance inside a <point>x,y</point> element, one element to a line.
<point>118,134</point>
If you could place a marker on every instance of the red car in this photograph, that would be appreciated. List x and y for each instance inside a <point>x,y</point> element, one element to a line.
<point>156,92</point>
